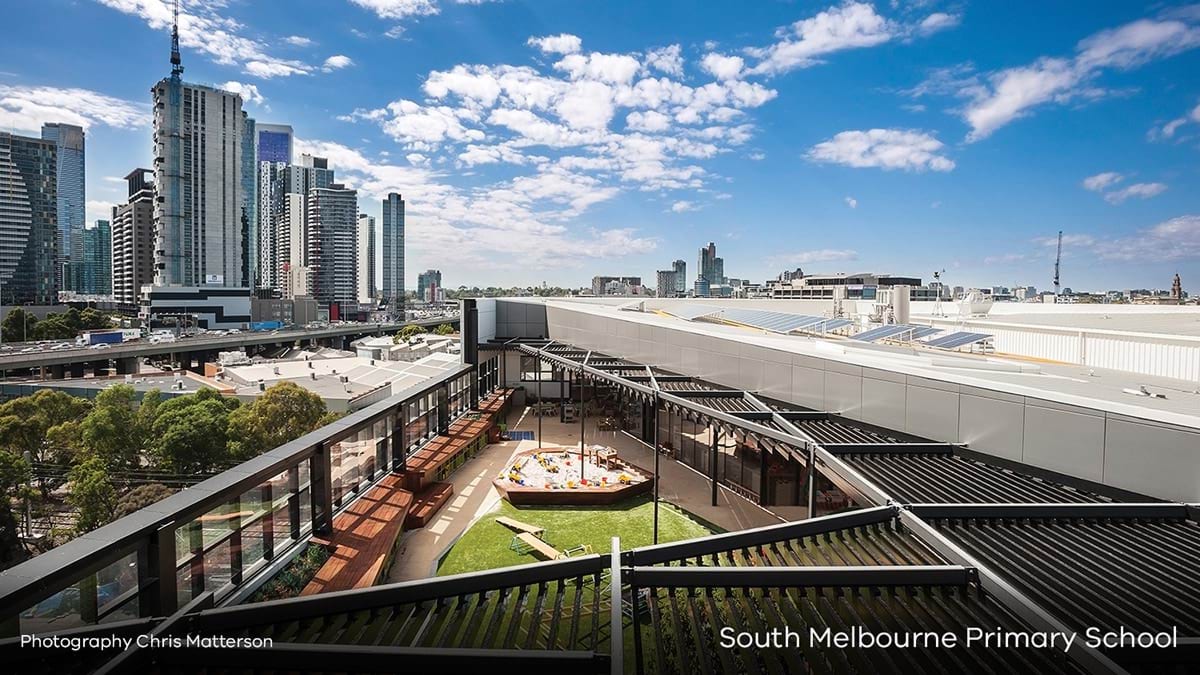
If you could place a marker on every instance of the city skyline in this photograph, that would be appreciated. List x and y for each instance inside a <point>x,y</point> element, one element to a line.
<point>566,141</point>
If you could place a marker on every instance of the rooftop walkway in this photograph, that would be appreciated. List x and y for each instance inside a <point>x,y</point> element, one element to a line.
<point>362,539</point>
<point>364,535</point>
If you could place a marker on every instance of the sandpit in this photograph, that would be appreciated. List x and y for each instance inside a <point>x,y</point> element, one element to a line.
<point>552,476</point>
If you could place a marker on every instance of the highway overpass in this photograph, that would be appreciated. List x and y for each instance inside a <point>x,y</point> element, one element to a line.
<point>183,352</point>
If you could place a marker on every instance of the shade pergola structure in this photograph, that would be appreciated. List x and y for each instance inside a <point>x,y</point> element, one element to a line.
<point>989,515</point>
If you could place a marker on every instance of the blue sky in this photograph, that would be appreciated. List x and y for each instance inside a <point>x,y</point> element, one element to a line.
<point>550,140</point>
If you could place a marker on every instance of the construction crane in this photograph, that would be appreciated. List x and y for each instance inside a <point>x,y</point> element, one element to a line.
<point>1057,263</point>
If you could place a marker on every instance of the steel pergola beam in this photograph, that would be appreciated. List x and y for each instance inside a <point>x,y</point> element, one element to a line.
<point>1025,510</point>
<point>838,576</point>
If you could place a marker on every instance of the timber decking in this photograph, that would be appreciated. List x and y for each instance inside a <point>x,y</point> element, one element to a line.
<point>363,537</point>
<point>428,503</point>
<point>422,466</point>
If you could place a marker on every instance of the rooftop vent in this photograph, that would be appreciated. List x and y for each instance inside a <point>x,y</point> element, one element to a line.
<point>314,375</point>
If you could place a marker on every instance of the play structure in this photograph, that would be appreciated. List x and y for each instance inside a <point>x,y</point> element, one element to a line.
<point>561,476</point>
<point>531,539</point>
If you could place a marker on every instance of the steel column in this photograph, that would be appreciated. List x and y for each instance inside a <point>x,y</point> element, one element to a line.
<point>322,491</point>
<point>657,452</point>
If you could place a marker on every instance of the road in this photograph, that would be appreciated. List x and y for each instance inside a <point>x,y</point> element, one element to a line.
<point>205,343</point>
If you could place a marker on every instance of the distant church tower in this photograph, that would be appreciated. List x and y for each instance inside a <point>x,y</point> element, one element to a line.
<point>1177,289</point>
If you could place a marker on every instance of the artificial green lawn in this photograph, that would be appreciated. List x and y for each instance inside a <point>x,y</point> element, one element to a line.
<point>486,544</point>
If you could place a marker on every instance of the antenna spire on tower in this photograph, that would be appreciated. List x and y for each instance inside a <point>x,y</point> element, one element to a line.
<point>176,60</point>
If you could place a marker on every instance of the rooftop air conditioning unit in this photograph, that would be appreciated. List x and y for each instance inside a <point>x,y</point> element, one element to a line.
<point>276,370</point>
<point>129,379</point>
<point>262,386</point>
<point>344,379</point>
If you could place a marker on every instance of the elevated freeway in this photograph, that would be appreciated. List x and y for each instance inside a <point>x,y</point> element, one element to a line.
<point>183,352</point>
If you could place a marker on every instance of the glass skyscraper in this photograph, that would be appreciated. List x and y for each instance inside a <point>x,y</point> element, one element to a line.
<point>71,201</point>
<point>392,243</point>
<point>249,197</point>
<point>28,220</point>
<point>95,263</point>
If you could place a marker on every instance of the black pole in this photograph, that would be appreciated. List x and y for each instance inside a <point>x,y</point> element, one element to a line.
<point>713,462</point>
<point>812,478</point>
<point>582,421</point>
<point>541,407</point>
<point>656,478</point>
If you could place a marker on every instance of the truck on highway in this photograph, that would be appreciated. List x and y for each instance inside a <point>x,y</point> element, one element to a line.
<point>266,325</point>
<point>114,336</point>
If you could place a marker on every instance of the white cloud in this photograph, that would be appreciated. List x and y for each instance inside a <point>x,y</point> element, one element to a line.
<point>398,9</point>
<point>722,67</point>
<point>683,207</point>
<point>650,120</point>
<point>507,226</point>
<point>23,109</point>
<point>851,202</point>
<point>298,41</point>
<point>1102,181</point>
<point>563,43</point>
<point>757,156</point>
<point>849,26</point>
<point>1138,190</point>
<point>202,28</point>
<point>336,62</point>
<point>938,21</point>
<point>1169,241</point>
<point>1010,94</point>
<point>667,60</point>
<point>611,68</point>
<point>248,92</point>
<point>883,148</point>
<point>98,210</point>
<point>809,257</point>
<point>1167,130</point>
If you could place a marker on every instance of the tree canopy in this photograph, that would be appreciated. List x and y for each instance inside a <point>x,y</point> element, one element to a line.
<point>191,432</point>
<point>92,494</point>
<point>285,412</point>
<point>408,332</point>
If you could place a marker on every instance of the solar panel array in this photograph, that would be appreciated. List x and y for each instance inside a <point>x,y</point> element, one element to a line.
<point>956,340</point>
<point>896,331</point>
<point>783,322</point>
<point>693,312</point>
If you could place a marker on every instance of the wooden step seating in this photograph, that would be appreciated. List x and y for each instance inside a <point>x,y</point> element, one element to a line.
<point>427,504</point>
<point>364,536</point>
<point>434,462</point>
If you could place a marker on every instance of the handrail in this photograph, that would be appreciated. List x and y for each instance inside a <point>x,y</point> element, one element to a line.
<point>34,580</point>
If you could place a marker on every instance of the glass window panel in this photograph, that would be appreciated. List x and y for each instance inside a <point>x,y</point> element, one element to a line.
<point>218,567</point>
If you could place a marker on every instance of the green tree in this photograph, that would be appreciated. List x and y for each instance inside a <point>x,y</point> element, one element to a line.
<point>407,332</point>
<point>92,493</point>
<point>73,319</point>
<point>190,432</point>
<point>26,424</point>
<point>444,329</point>
<point>53,327</point>
<point>18,326</point>
<point>113,429</point>
<point>94,319</point>
<point>14,477</point>
<point>140,497</point>
<point>285,412</point>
